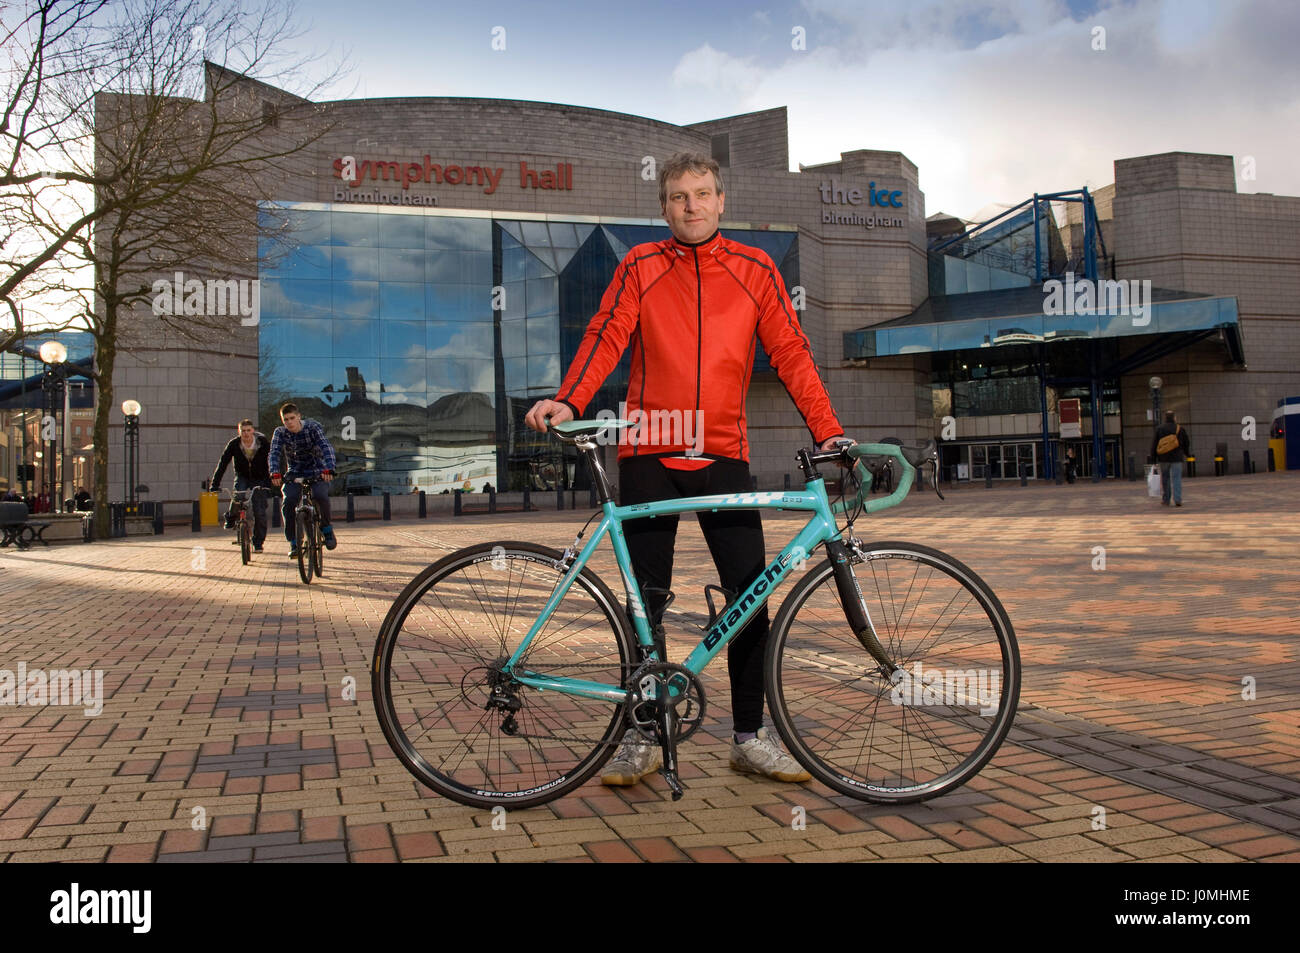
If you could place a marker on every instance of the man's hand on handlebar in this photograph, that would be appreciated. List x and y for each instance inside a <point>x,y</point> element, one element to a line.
<point>558,412</point>
<point>836,443</point>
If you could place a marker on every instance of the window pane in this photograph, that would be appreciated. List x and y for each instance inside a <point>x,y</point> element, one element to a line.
<point>356,263</point>
<point>401,231</point>
<point>543,336</point>
<point>356,337</point>
<point>403,339</point>
<point>458,303</point>
<point>354,229</point>
<point>360,298</point>
<point>401,300</point>
<point>401,264</point>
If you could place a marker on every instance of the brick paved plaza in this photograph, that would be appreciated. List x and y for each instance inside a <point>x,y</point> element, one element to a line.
<point>223,699</point>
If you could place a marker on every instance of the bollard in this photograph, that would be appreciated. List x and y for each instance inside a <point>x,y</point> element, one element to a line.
<point>528,506</point>
<point>388,507</point>
<point>787,482</point>
<point>559,498</point>
<point>1024,475</point>
<point>1132,467</point>
<point>352,510</point>
<point>423,511</point>
<point>573,499</point>
<point>1245,461</point>
<point>117,519</point>
<point>988,478</point>
<point>455,506</point>
<point>492,500</point>
<point>195,525</point>
<point>158,519</point>
<point>1096,473</point>
<point>1272,468</point>
<point>753,483</point>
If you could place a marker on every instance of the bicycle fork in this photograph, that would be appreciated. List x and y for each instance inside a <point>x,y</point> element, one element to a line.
<point>855,609</point>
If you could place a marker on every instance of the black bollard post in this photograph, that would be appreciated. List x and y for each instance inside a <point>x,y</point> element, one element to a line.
<point>559,498</point>
<point>158,519</point>
<point>787,482</point>
<point>455,506</point>
<point>1272,467</point>
<point>196,525</point>
<point>492,499</point>
<point>1096,473</point>
<point>117,519</point>
<point>423,510</point>
<point>1245,461</point>
<point>1132,467</point>
<point>388,507</point>
<point>528,506</point>
<point>753,482</point>
<point>988,478</point>
<point>352,510</point>
<point>1024,475</point>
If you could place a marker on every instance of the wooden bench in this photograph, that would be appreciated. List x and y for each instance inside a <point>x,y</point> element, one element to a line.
<point>18,529</point>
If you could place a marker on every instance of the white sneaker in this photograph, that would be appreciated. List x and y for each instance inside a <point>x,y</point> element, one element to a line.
<point>763,755</point>
<point>634,759</point>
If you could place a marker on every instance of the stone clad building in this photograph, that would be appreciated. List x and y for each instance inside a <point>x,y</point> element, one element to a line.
<point>449,253</point>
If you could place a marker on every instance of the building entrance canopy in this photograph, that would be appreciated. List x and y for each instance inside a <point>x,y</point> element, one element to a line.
<point>1043,314</point>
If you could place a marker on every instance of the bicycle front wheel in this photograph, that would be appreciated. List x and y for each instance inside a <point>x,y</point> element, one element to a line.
<point>304,533</point>
<point>937,719</point>
<point>245,542</point>
<point>318,552</point>
<point>461,723</point>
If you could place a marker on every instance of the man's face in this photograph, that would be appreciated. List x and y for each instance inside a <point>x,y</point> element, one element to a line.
<point>246,433</point>
<point>693,206</point>
<point>292,421</point>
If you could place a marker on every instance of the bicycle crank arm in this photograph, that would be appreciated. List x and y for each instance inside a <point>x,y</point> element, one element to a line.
<point>854,610</point>
<point>668,737</point>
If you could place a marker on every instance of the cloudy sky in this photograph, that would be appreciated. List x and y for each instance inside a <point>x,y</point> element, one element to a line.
<point>992,100</point>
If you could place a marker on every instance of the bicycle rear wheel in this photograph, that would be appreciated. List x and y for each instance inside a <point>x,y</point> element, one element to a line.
<point>939,718</point>
<point>304,533</point>
<point>466,728</point>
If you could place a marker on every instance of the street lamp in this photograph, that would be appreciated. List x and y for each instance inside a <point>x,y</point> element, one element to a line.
<point>54,385</point>
<point>131,445</point>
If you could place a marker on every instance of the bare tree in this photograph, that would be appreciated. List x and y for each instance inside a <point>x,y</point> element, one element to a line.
<point>188,138</point>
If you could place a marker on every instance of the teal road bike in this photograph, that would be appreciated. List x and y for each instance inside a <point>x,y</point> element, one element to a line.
<point>507,672</point>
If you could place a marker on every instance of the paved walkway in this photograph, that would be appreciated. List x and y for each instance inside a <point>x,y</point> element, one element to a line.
<point>225,734</point>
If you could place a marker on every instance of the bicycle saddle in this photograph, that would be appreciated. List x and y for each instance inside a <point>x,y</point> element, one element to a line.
<point>575,428</point>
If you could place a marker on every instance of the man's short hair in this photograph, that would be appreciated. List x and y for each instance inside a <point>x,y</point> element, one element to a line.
<point>1169,417</point>
<point>289,408</point>
<point>247,423</point>
<point>684,162</point>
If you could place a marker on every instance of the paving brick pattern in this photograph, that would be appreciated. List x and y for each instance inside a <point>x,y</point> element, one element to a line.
<point>1159,712</point>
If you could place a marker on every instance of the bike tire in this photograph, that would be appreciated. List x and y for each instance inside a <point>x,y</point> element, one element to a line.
<point>318,552</point>
<point>923,732</point>
<point>245,543</point>
<point>303,534</point>
<point>433,664</point>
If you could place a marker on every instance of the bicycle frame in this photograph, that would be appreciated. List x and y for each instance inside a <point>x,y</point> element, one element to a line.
<point>820,528</point>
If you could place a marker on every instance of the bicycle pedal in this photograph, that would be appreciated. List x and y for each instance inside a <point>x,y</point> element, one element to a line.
<point>674,784</point>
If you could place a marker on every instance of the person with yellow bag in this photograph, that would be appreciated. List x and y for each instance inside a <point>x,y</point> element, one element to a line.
<point>1170,448</point>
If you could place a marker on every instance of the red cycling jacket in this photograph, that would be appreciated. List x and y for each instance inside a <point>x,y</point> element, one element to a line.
<point>692,314</point>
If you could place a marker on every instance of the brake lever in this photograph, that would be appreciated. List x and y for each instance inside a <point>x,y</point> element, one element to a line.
<point>934,475</point>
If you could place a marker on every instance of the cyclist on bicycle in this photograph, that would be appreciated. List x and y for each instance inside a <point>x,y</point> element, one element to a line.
<point>302,443</point>
<point>249,452</point>
<point>692,306</point>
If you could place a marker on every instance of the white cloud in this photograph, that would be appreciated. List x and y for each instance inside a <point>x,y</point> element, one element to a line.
<point>1035,108</point>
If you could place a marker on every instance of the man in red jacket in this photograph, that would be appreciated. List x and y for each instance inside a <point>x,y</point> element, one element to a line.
<point>692,307</point>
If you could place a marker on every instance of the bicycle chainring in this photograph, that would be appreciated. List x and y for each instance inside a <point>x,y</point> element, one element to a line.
<point>684,689</point>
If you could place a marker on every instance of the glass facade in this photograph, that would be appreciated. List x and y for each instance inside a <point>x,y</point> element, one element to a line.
<point>420,339</point>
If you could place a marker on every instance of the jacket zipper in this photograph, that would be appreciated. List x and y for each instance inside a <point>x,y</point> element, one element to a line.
<point>699,330</point>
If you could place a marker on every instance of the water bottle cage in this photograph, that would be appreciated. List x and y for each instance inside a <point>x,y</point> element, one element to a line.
<point>727,598</point>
